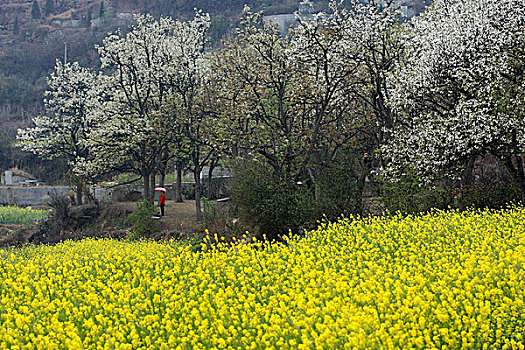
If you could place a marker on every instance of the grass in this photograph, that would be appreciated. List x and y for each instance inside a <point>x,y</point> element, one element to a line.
<point>18,216</point>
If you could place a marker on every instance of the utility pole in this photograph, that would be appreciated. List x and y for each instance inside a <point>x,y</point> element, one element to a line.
<point>65,53</point>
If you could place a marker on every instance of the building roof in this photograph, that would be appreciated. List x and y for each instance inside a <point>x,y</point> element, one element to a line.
<point>19,172</point>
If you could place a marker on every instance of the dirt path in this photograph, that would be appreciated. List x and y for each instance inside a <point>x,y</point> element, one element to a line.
<point>180,217</point>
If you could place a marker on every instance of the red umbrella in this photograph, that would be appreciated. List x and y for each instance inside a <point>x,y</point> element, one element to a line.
<point>160,189</point>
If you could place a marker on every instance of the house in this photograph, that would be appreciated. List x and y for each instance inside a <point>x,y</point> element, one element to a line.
<point>17,177</point>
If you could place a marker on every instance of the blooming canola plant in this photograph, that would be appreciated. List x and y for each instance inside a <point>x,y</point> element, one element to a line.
<point>442,280</point>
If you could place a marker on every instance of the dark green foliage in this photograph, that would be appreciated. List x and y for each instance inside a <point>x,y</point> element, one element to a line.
<point>219,27</point>
<point>50,7</point>
<point>101,10</point>
<point>339,191</point>
<point>410,195</point>
<point>6,140</point>
<point>142,221</point>
<point>89,17</point>
<point>16,27</point>
<point>219,220</point>
<point>487,196</point>
<point>210,214</point>
<point>35,10</point>
<point>266,207</point>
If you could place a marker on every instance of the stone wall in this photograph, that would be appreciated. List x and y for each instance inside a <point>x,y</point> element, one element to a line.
<point>25,196</point>
<point>41,195</point>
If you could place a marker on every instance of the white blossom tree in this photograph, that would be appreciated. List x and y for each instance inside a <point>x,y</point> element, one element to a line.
<point>63,130</point>
<point>461,92</point>
<point>323,63</point>
<point>343,59</point>
<point>297,100</point>
<point>253,76</point>
<point>281,97</point>
<point>145,68</point>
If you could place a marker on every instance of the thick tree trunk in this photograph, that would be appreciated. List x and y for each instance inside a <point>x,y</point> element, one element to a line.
<point>152,182</point>
<point>468,174</point>
<point>163,169</point>
<point>178,187</point>
<point>79,193</point>
<point>314,175</point>
<point>362,182</point>
<point>148,195</point>
<point>521,177</point>
<point>162,179</point>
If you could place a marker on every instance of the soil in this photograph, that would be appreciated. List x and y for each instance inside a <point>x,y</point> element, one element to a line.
<point>180,221</point>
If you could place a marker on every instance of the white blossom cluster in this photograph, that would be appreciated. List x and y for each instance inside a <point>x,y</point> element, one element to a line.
<point>460,91</point>
<point>291,98</point>
<point>69,103</point>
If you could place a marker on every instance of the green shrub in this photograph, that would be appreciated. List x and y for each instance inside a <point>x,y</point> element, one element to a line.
<point>210,213</point>
<point>142,221</point>
<point>487,196</point>
<point>410,195</point>
<point>339,192</point>
<point>266,207</point>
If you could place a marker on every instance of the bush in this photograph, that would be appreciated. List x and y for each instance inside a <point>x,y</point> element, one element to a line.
<point>142,221</point>
<point>487,196</point>
<point>16,215</point>
<point>266,207</point>
<point>339,191</point>
<point>410,195</point>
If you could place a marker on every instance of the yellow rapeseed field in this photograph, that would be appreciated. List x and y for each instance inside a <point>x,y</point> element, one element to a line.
<point>445,280</point>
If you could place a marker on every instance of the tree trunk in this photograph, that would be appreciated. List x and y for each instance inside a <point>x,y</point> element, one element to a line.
<point>468,174</point>
<point>147,189</point>
<point>313,174</point>
<point>162,178</point>
<point>163,169</point>
<point>152,181</point>
<point>521,178</point>
<point>362,182</point>
<point>79,193</point>
<point>211,190</point>
<point>197,177</point>
<point>178,187</point>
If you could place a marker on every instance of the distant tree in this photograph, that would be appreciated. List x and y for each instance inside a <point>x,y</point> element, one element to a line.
<point>50,7</point>
<point>101,10</point>
<point>35,10</point>
<point>6,158</point>
<point>89,17</point>
<point>16,26</point>
<point>109,11</point>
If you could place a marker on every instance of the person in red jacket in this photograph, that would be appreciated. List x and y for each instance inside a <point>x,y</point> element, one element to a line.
<point>162,202</point>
